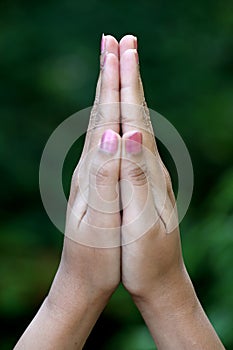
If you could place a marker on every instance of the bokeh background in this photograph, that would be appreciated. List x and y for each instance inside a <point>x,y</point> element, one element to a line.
<point>49,53</point>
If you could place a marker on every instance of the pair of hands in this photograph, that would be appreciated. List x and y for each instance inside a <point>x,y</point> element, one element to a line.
<point>121,226</point>
<point>115,170</point>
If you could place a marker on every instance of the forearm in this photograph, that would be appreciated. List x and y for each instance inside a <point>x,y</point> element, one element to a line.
<point>65,319</point>
<point>176,319</point>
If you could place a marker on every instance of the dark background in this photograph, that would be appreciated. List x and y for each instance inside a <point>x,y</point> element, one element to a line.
<point>49,54</point>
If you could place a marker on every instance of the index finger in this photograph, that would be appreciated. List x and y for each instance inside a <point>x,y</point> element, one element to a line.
<point>107,93</point>
<point>105,114</point>
<point>134,112</point>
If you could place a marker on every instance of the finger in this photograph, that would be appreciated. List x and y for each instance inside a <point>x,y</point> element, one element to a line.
<point>129,71</point>
<point>103,215</point>
<point>143,175</point>
<point>108,45</point>
<point>130,42</point>
<point>134,113</point>
<point>107,90</point>
<point>107,114</point>
<point>127,42</point>
<point>131,94</point>
<point>104,174</point>
<point>139,211</point>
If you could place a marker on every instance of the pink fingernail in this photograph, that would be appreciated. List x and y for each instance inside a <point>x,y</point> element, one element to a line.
<point>133,144</point>
<point>109,141</point>
<point>135,42</point>
<point>103,42</point>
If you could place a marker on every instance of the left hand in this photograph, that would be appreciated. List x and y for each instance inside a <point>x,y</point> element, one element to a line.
<point>90,228</point>
<point>151,258</point>
<point>89,271</point>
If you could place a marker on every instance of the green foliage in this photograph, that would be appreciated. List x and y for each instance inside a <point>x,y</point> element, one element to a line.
<point>49,65</point>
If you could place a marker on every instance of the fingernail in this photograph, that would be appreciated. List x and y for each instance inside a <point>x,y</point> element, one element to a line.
<point>109,142</point>
<point>133,144</point>
<point>135,42</point>
<point>103,42</point>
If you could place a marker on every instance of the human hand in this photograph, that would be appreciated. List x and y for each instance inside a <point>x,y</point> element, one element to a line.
<point>151,257</point>
<point>89,270</point>
<point>153,270</point>
<point>91,225</point>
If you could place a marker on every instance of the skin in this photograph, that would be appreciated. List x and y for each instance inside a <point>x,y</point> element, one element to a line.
<point>143,255</point>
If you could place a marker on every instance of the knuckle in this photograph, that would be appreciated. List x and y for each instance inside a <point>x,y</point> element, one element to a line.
<point>103,174</point>
<point>137,175</point>
<point>99,117</point>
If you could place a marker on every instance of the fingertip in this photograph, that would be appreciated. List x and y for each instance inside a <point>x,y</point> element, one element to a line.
<point>112,38</point>
<point>128,39</point>
<point>111,45</point>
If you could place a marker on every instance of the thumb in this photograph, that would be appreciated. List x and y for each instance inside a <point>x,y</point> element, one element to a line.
<point>139,213</point>
<point>103,196</point>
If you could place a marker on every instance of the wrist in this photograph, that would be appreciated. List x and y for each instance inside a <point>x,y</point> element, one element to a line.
<point>72,309</point>
<point>171,295</point>
<point>174,312</point>
<point>65,319</point>
<point>95,273</point>
<point>73,294</point>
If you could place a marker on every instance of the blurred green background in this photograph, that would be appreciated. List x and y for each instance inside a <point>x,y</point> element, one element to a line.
<point>49,54</point>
